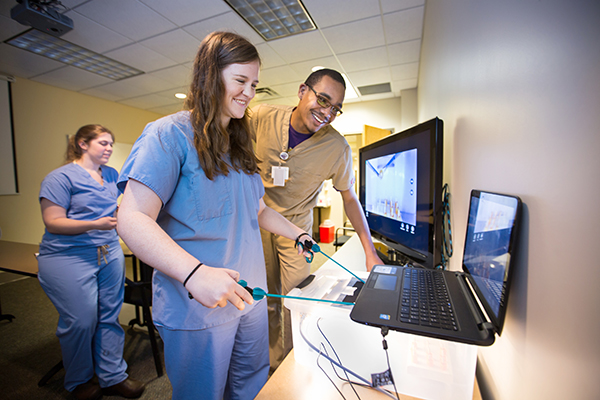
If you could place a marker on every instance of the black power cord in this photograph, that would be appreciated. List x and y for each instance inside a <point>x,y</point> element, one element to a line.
<point>389,376</point>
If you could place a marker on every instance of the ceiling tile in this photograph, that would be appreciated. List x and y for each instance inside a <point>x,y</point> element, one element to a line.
<point>287,89</point>
<point>278,76</point>
<point>178,75</point>
<point>398,86</point>
<point>134,87</point>
<point>378,96</point>
<point>101,92</point>
<point>10,28</point>
<point>268,56</point>
<point>405,52</point>
<point>92,35</point>
<point>296,48</point>
<point>72,3</point>
<point>229,21</point>
<point>5,7</point>
<point>177,45</point>
<point>370,77</point>
<point>304,68</point>
<point>187,11</point>
<point>22,63</point>
<point>149,101</point>
<point>140,57</point>
<point>133,19</point>
<point>71,78</point>
<point>397,5</point>
<point>364,59</point>
<point>170,94</point>
<point>405,71</point>
<point>335,12</point>
<point>403,26</point>
<point>354,36</point>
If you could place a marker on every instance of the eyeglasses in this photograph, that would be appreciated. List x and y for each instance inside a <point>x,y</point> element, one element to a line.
<point>324,102</point>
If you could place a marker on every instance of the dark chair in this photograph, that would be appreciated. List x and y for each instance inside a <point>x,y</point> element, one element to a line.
<point>340,240</point>
<point>139,293</point>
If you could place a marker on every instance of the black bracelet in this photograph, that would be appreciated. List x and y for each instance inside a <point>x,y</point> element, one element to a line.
<point>189,276</point>
<point>299,236</point>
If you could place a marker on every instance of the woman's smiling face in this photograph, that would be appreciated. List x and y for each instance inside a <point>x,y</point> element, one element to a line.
<point>240,81</point>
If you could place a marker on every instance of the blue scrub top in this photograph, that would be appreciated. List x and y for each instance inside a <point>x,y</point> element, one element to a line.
<point>84,199</point>
<point>215,221</point>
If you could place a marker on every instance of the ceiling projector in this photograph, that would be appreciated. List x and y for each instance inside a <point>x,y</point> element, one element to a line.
<point>42,15</point>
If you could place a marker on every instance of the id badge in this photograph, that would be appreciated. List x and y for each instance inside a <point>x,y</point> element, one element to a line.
<point>280,175</point>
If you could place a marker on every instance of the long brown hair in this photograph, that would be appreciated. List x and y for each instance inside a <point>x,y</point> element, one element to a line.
<point>86,133</point>
<point>215,143</point>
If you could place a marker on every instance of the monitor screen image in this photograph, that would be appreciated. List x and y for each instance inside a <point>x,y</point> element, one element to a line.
<point>400,190</point>
<point>391,187</point>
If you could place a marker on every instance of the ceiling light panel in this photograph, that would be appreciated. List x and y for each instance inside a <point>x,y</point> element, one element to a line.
<point>68,53</point>
<point>274,19</point>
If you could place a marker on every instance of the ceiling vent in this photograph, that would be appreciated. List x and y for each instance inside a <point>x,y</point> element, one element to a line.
<point>375,89</point>
<point>264,93</point>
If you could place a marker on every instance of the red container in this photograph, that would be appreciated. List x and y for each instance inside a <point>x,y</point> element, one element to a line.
<point>326,232</point>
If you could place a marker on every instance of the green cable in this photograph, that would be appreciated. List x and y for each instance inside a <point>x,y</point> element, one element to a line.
<point>307,298</point>
<point>258,293</point>
<point>316,247</point>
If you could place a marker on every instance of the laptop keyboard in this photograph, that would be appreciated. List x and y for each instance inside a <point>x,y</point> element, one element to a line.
<point>425,300</point>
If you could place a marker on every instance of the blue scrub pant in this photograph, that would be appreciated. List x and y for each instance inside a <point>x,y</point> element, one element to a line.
<point>88,298</point>
<point>227,361</point>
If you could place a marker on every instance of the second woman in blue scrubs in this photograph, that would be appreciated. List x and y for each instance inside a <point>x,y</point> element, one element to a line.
<point>192,208</point>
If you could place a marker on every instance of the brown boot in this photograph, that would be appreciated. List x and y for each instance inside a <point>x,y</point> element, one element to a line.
<point>87,391</point>
<point>129,388</point>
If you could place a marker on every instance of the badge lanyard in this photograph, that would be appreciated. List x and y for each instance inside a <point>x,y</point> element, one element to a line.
<point>281,174</point>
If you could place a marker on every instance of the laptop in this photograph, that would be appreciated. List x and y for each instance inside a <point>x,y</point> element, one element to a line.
<point>468,306</point>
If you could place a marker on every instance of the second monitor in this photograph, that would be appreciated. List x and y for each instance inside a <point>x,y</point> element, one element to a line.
<point>401,184</point>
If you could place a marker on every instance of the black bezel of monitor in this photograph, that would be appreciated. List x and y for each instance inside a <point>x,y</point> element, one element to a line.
<point>422,246</point>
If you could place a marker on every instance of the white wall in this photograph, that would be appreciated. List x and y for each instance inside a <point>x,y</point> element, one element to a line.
<point>517,83</point>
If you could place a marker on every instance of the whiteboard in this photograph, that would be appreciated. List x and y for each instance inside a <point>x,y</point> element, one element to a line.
<point>8,170</point>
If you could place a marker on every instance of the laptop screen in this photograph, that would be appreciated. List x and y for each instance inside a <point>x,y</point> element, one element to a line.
<point>488,249</point>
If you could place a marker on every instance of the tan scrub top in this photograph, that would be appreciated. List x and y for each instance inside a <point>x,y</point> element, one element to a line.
<point>325,155</point>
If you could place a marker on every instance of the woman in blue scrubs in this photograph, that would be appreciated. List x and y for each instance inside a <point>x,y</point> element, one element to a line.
<point>192,208</point>
<point>81,266</point>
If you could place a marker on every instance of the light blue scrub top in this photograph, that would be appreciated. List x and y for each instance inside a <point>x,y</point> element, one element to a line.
<point>84,199</point>
<point>215,221</point>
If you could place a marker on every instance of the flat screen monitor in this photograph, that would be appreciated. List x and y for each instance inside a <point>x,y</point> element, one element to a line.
<point>401,191</point>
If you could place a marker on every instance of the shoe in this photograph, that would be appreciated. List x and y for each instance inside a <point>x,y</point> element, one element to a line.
<point>129,388</point>
<point>87,391</point>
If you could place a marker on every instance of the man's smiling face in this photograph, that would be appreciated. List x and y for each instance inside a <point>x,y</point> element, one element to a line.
<point>309,116</point>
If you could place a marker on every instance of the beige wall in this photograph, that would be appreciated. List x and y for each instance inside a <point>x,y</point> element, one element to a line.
<point>43,117</point>
<point>517,84</point>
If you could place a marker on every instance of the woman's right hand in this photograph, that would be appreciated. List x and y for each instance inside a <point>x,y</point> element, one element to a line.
<point>106,223</point>
<point>215,287</point>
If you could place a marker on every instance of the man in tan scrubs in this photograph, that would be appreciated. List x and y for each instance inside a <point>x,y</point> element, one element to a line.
<point>298,150</point>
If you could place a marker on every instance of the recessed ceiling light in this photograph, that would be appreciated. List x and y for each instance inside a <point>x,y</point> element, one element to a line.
<point>273,19</point>
<point>58,49</point>
<point>180,95</point>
